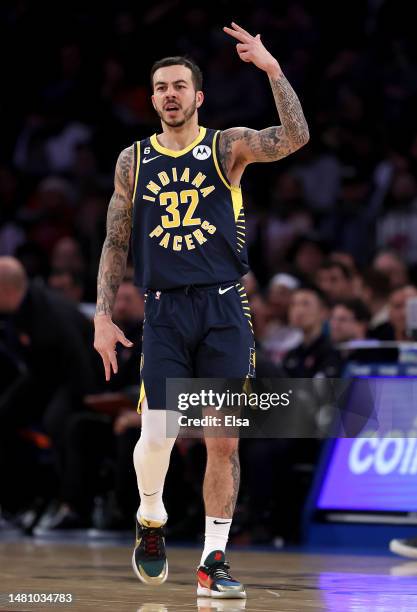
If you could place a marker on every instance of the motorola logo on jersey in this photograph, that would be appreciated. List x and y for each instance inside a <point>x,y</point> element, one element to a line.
<point>201,152</point>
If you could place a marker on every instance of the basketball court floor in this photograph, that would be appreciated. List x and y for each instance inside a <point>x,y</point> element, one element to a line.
<point>99,577</point>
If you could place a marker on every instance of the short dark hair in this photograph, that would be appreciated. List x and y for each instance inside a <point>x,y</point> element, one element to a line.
<point>377,282</point>
<point>312,288</point>
<point>357,308</point>
<point>329,264</point>
<point>180,60</point>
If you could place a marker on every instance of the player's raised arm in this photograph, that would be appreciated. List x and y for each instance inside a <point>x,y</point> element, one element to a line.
<point>240,146</point>
<point>113,261</point>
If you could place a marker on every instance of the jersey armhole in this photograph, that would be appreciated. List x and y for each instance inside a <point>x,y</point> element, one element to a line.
<point>136,167</point>
<point>217,162</point>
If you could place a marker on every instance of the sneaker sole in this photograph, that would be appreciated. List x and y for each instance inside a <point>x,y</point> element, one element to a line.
<point>149,580</point>
<point>403,550</point>
<point>205,592</point>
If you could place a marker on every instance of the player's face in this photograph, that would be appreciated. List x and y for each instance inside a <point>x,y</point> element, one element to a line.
<point>174,96</point>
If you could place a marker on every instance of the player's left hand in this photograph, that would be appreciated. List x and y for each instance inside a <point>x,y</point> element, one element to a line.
<point>251,49</point>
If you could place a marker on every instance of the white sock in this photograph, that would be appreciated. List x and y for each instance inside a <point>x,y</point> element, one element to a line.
<point>216,535</point>
<point>151,458</point>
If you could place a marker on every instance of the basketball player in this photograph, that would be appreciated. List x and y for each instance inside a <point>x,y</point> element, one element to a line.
<point>178,193</point>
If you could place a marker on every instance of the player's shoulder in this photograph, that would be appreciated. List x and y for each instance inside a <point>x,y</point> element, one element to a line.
<point>127,153</point>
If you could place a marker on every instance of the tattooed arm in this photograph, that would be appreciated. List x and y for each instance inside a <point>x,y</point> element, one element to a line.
<point>241,146</point>
<point>113,261</point>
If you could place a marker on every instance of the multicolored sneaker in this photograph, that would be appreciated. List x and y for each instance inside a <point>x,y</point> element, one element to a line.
<point>214,579</point>
<point>149,560</point>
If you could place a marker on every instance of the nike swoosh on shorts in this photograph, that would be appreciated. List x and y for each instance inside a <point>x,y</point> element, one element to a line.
<point>221,291</point>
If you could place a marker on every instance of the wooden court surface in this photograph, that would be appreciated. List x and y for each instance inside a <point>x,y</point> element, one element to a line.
<point>100,578</point>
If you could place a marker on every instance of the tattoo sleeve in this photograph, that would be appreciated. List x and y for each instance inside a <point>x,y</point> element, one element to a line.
<point>116,245</point>
<point>235,470</point>
<point>243,145</point>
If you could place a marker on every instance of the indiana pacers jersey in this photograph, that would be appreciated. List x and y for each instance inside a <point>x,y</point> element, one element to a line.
<point>188,221</point>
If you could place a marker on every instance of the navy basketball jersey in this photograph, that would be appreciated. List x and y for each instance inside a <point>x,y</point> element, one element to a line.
<point>188,222</point>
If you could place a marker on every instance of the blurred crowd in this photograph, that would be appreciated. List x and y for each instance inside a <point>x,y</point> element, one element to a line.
<point>332,234</point>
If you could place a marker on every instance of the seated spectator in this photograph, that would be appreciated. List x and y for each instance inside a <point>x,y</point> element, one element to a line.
<point>315,355</point>
<point>391,264</point>
<point>349,321</point>
<point>375,292</point>
<point>335,280</point>
<point>346,259</point>
<point>278,337</point>
<point>68,283</point>
<point>49,213</point>
<point>396,328</point>
<point>67,255</point>
<point>289,218</point>
<point>112,422</point>
<point>305,255</point>
<point>397,226</point>
<point>349,261</point>
<point>53,342</point>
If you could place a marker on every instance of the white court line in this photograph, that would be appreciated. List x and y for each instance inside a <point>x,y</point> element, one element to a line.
<point>273,593</point>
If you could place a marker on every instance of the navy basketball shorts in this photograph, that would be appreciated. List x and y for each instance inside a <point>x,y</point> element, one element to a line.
<point>195,332</point>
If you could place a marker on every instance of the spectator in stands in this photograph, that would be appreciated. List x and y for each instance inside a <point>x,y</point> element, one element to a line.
<point>278,337</point>
<point>346,259</point>
<point>335,280</point>
<point>68,283</point>
<point>289,218</point>
<point>52,342</point>
<point>306,255</point>
<point>349,321</point>
<point>397,311</point>
<point>391,264</point>
<point>315,355</point>
<point>375,292</point>
<point>397,226</point>
<point>67,255</point>
<point>349,261</point>
<point>396,328</point>
<point>112,423</point>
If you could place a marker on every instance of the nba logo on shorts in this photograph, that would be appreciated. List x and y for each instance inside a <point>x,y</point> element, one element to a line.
<point>251,371</point>
<point>201,152</point>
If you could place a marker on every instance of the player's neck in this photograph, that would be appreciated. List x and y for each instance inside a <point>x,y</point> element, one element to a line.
<point>178,138</point>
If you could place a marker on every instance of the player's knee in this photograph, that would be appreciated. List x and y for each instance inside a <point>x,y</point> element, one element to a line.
<point>155,441</point>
